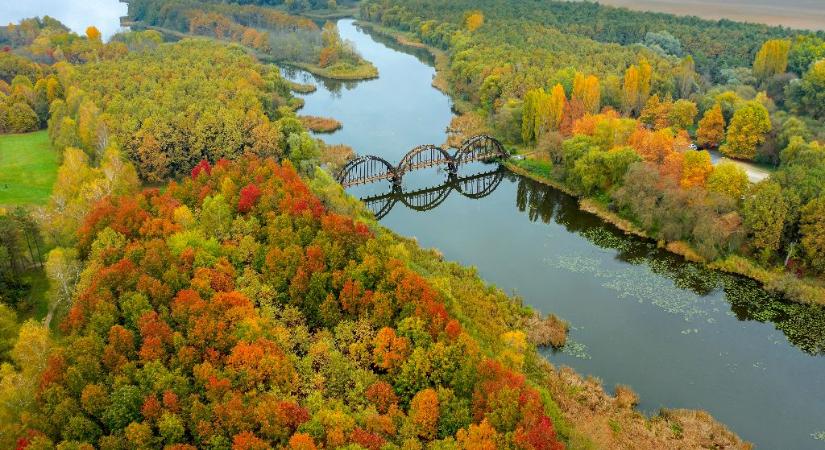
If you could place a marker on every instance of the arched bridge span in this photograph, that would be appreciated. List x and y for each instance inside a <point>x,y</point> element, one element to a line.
<point>369,169</point>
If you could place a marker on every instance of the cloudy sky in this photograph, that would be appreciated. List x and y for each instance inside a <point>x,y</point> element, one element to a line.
<point>76,14</point>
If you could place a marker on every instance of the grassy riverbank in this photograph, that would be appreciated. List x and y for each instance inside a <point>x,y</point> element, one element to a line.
<point>801,290</point>
<point>340,72</point>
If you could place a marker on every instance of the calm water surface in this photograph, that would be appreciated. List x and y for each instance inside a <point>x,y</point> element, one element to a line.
<point>681,336</point>
<point>75,14</point>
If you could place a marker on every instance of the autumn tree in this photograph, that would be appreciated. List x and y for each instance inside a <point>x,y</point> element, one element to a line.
<point>390,349</point>
<point>696,168</point>
<point>424,413</point>
<point>656,113</point>
<point>555,107</point>
<point>747,131</point>
<point>729,179</point>
<point>93,34</point>
<point>637,85</point>
<point>63,270</point>
<point>771,59</point>
<point>587,91</point>
<point>474,20</point>
<point>764,212</point>
<point>711,131</point>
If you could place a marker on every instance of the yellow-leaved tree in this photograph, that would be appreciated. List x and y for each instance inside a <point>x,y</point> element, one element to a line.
<point>711,130</point>
<point>474,20</point>
<point>747,131</point>
<point>555,107</point>
<point>587,91</point>
<point>772,58</point>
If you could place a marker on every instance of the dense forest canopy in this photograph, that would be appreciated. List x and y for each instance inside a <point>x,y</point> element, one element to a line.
<point>709,42</point>
<point>250,304</point>
<point>235,310</point>
<point>169,107</point>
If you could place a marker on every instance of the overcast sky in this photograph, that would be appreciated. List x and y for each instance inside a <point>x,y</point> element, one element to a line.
<point>76,14</point>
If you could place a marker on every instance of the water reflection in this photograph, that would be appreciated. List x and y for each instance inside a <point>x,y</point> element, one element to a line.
<point>803,325</point>
<point>475,186</point>
<point>334,87</point>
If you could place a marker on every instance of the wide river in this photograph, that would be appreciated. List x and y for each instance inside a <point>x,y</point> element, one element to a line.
<point>680,335</point>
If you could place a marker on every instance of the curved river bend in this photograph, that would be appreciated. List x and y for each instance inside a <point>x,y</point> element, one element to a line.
<point>680,335</point>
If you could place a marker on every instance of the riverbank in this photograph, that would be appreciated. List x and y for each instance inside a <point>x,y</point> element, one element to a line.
<point>584,414</point>
<point>800,290</point>
<point>440,57</point>
<point>340,72</point>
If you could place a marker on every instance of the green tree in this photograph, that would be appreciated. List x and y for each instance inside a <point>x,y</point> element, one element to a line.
<point>683,114</point>
<point>765,211</point>
<point>812,230</point>
<point>808,95</point>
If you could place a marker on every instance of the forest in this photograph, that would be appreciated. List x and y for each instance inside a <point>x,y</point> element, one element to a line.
<point>209,286</point>
<point>271,33</point>
<point>195,278</point>
<point>623,110</point>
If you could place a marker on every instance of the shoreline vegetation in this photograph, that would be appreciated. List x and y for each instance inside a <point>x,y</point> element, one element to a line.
<point>301,88</point>
<point>584,414</point>
<point>344,72</point>
<point>407,39</point>
<point>320,124</point>
<point>340,72</point>
<point>799,290</point>
<point>270,34</point>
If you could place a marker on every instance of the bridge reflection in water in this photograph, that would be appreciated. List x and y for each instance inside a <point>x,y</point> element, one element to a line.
<point>474,186</point>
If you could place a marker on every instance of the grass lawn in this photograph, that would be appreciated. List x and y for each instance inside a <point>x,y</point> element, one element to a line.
<point>28,168</point>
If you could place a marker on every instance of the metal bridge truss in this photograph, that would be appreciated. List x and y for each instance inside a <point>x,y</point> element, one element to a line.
<point>369,169</point>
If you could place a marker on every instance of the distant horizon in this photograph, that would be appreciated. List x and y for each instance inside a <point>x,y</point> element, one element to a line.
<point>102,14</point>
<point>798,14</point>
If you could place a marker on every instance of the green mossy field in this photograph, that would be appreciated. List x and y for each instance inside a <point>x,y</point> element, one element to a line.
<point>28,168</point>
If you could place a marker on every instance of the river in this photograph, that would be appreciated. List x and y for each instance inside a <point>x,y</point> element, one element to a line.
<point>678,334</point>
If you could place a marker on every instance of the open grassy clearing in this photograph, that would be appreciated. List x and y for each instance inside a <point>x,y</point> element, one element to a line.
<point>28,168</point>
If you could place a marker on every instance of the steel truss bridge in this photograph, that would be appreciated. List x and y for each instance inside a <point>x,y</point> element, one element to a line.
<point>472,186</point>
<point>369,169</point>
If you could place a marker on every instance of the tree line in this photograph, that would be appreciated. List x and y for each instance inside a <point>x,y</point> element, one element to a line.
<point>620,123</point>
